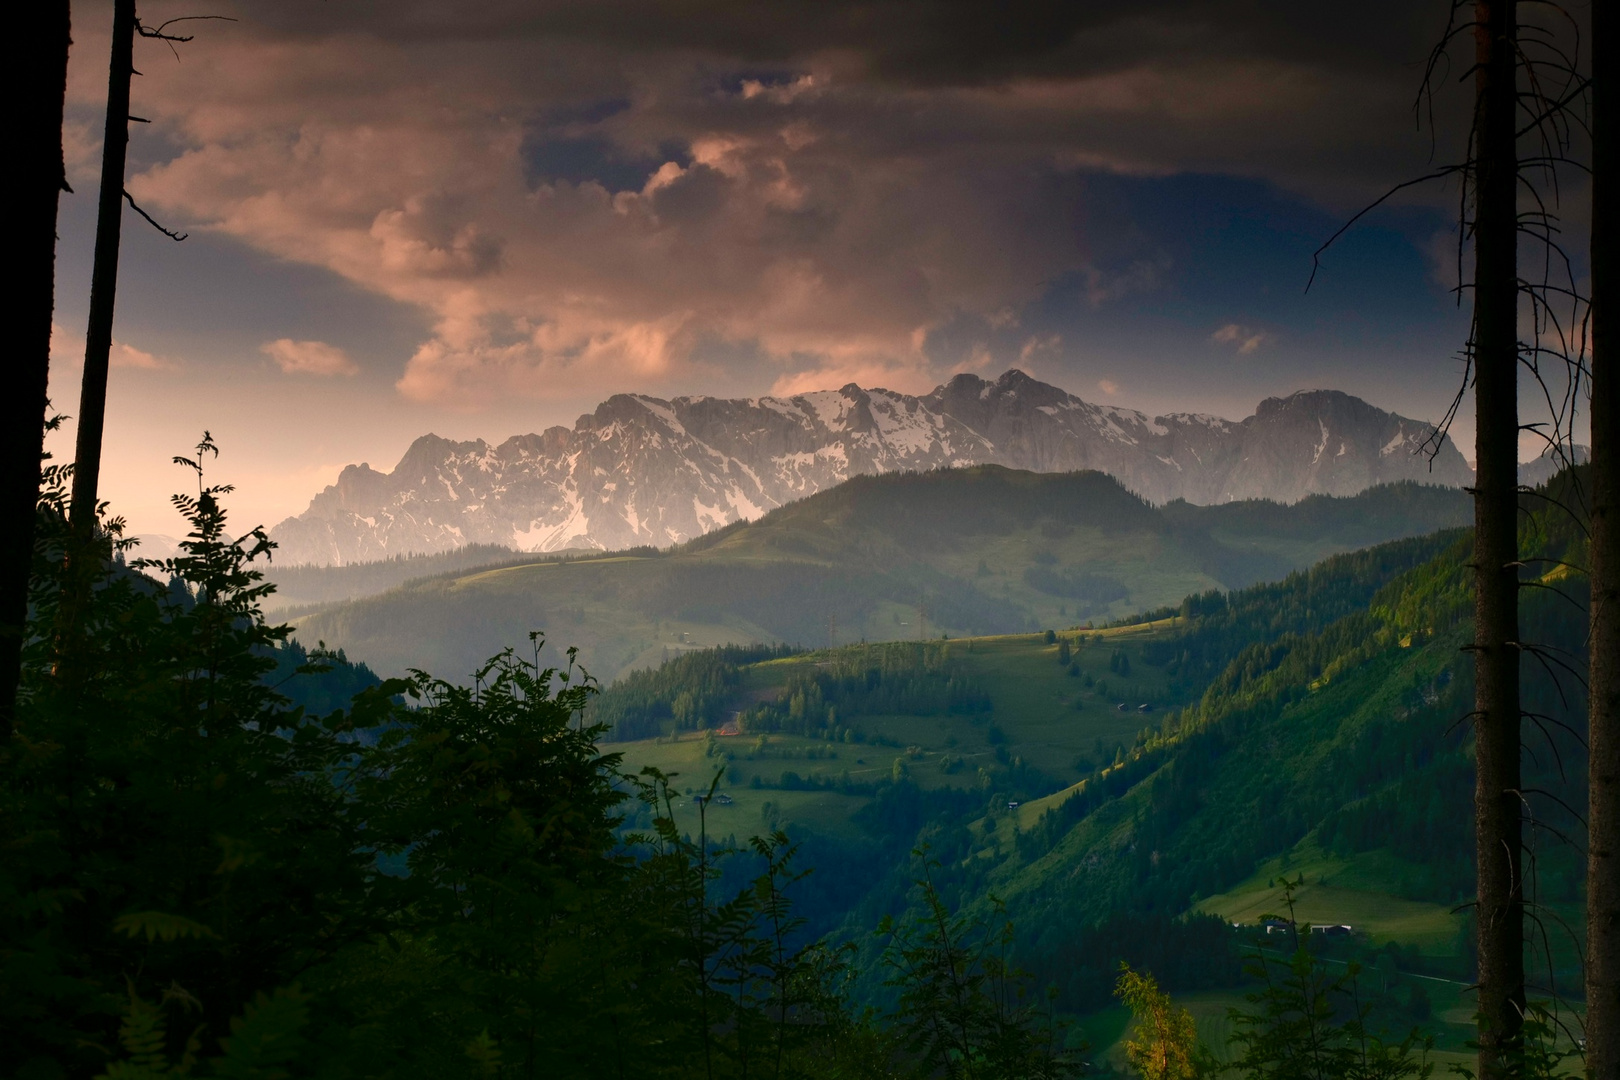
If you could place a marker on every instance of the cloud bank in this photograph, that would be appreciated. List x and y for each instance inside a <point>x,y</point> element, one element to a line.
<point>630,193</point>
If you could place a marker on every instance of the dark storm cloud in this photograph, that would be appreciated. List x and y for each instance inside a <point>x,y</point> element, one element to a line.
<point>929,42</point>
<point>1314,95</point>
<point>598,194</point>
<point>529,206</point>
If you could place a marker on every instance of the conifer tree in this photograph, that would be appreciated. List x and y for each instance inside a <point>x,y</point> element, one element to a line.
<point>104,273</point>
<point>1603,810</point>
<point>41,178</point>
<point>1494,354</point>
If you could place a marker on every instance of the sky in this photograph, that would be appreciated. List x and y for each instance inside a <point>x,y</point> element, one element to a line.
<point>482,220</point>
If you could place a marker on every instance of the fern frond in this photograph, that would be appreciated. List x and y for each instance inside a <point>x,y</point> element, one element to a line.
<point>142,1034</point>
<point>160,924</point>
<point>485,1054</point>
<point>265,1037</point>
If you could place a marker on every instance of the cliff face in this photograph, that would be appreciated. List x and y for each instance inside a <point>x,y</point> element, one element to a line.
<point>640,470</point>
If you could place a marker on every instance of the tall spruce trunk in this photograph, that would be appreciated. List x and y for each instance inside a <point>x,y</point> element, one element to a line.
<point>43,29</point>
<point>1497,818</point>
<point>104,274</point>
<point>1603,808</point>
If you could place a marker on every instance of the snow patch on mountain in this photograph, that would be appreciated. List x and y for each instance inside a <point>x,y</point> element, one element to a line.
<point>643,470</point>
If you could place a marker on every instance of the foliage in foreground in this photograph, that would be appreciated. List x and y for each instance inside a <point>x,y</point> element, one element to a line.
<point>1165,1045</point>
<point>201,879</point>
<point>1306,1022</point>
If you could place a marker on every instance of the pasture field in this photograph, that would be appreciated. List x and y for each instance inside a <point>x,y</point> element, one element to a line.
<point>756,809</point>
<point>1040,714</point>
<point>1357,891</point>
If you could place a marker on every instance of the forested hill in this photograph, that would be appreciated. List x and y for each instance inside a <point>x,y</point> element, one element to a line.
<point>958,552</point>
<point>1186,646</point>
<point>1119,788</point>
<point>1338,753</point>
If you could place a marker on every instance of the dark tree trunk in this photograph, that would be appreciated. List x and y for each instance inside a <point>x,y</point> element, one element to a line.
<point>1603,809</point>
<point>104,275</point>
<point>43,31</point>
<point>1496,550</point>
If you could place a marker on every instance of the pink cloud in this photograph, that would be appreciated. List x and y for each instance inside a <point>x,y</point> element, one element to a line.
<point>309,357</point>
<point>1246,339</point>
<point>67,349</point>
<point>128,356</point>
<point>819,220</point>
<point>405,174</point>
<point>906,380</point>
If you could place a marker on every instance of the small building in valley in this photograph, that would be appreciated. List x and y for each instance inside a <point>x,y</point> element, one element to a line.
<point>1333,930</point>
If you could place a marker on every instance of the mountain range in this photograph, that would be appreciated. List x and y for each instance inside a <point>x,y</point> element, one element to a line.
<point>978,550</point>
<point>646,471</point>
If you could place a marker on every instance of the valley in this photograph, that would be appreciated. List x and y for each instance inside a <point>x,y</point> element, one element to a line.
<point>1302,730</point>
<point>1134,789</point>
<point>1035,711</point>
<point>999,774</point>
<point>873,541</point>
<point>977,551</point>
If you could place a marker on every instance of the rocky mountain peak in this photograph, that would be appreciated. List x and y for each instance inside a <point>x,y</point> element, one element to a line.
<point>642,470</point>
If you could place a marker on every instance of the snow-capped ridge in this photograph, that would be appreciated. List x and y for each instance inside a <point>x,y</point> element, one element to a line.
<point>644,470</point>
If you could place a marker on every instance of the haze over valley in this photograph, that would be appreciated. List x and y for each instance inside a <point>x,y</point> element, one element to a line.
<point>966,551</point>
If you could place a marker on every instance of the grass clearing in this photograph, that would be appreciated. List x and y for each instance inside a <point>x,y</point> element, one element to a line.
<point>1034,713</point>
<point>1351,891</point>
<point>1050,717</point>
<point>752,810</point>
<point>1033,717</point>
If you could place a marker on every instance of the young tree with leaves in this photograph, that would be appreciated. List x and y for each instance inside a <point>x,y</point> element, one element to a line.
<point>1165,1044</point>
<point>962,1008</point>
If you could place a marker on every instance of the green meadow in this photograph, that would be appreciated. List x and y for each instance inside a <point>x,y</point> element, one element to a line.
<point>1042,713</point>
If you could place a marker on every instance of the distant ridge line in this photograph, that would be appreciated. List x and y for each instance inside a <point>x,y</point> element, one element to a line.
<point>645,471</point>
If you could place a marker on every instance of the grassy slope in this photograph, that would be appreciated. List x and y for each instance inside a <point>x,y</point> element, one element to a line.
<point>1284,749</point>
<point>877,559</point>
<point>1235,841</point>
<point>1034,707</point>
<point>1358,890</point>
<point>1269,766</point>
<point>1293,747</point>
